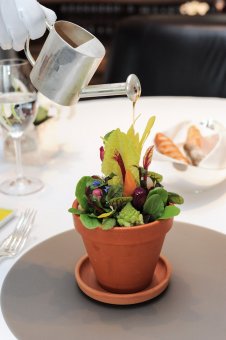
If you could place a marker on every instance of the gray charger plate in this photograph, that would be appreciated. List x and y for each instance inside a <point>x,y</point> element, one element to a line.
<point>40,298</point>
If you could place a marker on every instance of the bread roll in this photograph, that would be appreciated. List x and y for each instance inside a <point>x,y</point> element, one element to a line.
<point>193,145</point>
<point>194,137</point>
<point>166,146</point>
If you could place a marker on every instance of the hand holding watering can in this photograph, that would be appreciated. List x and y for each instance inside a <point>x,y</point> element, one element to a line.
<point>68,59</point>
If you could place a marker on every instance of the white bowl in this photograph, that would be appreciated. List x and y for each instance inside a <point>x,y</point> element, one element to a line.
<point>210,171</point>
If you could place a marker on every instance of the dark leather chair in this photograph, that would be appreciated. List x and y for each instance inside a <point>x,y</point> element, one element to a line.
<point>171,55</point>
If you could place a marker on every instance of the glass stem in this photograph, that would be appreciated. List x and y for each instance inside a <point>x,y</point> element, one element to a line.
<point>19,168</point>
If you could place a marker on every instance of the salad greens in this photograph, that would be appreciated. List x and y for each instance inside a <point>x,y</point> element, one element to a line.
<point>127,194</point>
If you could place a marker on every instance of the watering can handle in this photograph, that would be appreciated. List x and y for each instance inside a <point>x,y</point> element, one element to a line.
<point>27,47</point>
<point>131,88</point>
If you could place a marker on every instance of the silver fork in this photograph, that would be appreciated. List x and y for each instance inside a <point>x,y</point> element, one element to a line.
<point>16,240</point>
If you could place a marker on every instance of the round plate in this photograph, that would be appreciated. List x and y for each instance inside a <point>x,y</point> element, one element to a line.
<point>88,283</point>
<point>41,300</point>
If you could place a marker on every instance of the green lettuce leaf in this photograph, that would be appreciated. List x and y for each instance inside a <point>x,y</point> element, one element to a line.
<point>89,222</point>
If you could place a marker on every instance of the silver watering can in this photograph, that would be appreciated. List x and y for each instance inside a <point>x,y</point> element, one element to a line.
<point>67,62</point>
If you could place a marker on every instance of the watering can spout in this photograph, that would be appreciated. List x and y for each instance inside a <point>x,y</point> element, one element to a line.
<point>131,88</point>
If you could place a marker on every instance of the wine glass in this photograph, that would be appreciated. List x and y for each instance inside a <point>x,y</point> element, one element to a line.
<point>17,113</point>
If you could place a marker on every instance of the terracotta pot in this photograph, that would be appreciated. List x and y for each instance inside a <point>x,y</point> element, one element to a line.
<point>124,258</point>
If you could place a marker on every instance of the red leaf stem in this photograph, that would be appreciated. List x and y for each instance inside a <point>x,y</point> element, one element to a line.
<point>118,158</point>
<point>148,157</point>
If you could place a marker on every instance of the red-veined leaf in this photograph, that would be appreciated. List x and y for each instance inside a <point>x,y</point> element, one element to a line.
<point>148,157</point>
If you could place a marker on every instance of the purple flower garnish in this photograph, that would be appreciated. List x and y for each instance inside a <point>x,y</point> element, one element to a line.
<point>106,188</point>
<point>96,183</point>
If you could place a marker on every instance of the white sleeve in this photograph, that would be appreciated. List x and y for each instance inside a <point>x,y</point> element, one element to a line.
<point>5,38</point>
<point>22,19</point>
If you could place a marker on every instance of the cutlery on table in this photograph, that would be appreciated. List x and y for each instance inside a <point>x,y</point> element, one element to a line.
<point>14,243</point>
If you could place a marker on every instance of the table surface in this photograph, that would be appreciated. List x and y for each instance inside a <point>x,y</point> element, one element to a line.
<point>40,293</point>
<point>71,144</point>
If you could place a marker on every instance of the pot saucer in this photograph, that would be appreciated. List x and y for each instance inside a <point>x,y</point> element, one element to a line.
<point>88,283</point>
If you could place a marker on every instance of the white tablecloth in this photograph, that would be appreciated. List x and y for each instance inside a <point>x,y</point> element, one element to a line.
<point>71,149</point>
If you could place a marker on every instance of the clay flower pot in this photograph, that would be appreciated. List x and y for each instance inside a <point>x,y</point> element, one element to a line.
<point>124,258</point>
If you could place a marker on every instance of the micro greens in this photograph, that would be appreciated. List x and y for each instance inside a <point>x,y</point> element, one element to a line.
<point>127,194</point>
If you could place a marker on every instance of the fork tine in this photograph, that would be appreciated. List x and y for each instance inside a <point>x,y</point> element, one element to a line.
<point>7,241</point>
<point>24,232</point>
<point>16,233</point>
<point>15,241</point>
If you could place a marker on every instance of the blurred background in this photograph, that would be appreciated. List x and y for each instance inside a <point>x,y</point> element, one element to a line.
<point>111,22</point>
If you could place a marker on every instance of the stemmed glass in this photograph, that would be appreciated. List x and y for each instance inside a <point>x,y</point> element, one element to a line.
<point>17,113</point>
